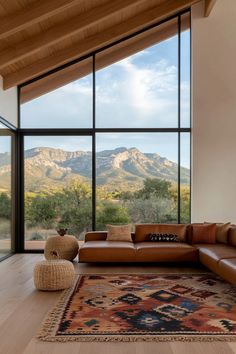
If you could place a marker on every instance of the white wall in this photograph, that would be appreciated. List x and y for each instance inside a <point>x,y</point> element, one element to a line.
<point>8,103</point>
<point>214,113</point>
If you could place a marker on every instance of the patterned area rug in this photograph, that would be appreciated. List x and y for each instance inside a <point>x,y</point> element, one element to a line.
<point>184,307</point>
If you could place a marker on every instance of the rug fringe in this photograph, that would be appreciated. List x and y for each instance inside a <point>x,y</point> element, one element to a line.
<point>138,338</point>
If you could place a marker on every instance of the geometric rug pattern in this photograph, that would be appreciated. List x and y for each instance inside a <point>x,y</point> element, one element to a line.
<point>161,307</point>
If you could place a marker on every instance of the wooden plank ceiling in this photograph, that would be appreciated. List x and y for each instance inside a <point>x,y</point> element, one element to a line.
<point>37,36</point>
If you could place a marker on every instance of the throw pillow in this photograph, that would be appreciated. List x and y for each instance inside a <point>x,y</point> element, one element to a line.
<point>142,231</point>
<point>163,237</point>
<point>221,232</point>
<point>203,233</point>
<point>119,233</point>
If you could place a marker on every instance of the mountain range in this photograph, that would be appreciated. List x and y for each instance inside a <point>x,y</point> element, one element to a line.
<point>121,168</point>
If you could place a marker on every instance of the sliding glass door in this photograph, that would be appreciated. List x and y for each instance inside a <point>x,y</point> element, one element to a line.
<point>6,198</point>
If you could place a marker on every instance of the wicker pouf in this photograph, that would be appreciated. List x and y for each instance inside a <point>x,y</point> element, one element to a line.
<point>54,275</point>
<point>65,246</point>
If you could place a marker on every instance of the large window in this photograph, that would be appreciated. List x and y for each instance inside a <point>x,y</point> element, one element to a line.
<point>143,87</point>
<point>69,106</point>
<point>57,182</point>
<point>6,199</point>
<point>137,178</point>
<point>114,140</point>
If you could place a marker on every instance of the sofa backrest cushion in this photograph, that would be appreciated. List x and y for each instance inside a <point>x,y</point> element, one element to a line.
<point>95,236</point>
<point>203,233</point>
<point>221,232</point>
<point>232,236</point>
<point>143,231</point>
<point>99,236</point>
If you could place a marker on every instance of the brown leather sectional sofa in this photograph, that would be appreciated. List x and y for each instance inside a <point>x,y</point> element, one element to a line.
<point>219,257</point>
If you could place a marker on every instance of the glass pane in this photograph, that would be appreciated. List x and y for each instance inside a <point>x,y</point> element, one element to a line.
<point>5,194</point>
<point>185,71</point>
<point>185,178</point>
<point>69,106</point>
<point>2,126</point>
<point>136,178</point>
<point>137,81</point>
<point>57,187</point>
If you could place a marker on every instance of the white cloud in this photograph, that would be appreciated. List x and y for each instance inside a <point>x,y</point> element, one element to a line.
<point>144,92</point>
<point>82,86</point>
<point>139,91</point>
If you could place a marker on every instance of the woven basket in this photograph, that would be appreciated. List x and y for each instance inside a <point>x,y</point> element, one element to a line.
<point>54,275</point>
<point>66,247</point>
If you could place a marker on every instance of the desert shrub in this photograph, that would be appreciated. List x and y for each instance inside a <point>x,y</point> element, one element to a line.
<point>111,213</point>
<point>5,205</point>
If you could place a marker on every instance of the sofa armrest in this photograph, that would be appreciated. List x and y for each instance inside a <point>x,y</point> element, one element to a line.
<point>95,236</point>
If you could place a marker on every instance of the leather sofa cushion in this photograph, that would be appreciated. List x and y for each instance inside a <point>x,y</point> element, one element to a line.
<point>221,231</point>
<point>210,255</point>
<point>142,231</point>
<point>95,236</point>
<point>227,269</point>
<point>165,252</point>
<point>203,233</point>
<point>107,251</point>
<point>232,236</point>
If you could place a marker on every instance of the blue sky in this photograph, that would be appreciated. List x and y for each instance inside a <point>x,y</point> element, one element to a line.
<point>5,144</point>
<point>138,91</point>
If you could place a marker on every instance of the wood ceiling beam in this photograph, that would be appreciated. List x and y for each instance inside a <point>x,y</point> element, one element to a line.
<point>209,4</point>
<point>92,43</point>
<point>55,81</point>
<point>60,32</point>
<point>35,12</point>
<point>105,58</point>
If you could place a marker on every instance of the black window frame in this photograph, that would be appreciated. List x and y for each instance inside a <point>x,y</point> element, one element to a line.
<point>11,130</point>
<point>22,132</point>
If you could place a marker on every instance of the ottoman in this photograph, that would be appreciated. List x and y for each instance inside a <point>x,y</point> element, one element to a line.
<point>54,275</point>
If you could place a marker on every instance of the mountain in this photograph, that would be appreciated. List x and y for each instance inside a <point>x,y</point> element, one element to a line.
<point>47,168</point>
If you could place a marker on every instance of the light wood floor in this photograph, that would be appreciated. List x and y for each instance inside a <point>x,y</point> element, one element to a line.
<point>22,309</point>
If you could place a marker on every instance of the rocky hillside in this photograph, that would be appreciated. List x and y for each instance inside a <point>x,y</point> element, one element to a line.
<point>123,168</point>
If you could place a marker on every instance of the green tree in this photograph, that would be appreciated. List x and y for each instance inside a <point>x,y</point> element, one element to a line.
<point>152,210</point>
<point>155,202</point>
<point>155,186</point>
<point>40,211</point>
<point>111,213</point>
<point>74,207</point>
<point>69,208</point>
<point>185,204</point>
<point>5,206</point>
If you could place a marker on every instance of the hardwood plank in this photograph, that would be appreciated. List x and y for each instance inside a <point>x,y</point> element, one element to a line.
<point>19,283</point>
<point>34,12</point>
<point>201,348</point>
<point>27,315</point>
<point>233,347</point>
<point>209,4</point>
<point>153,347</point>
<point>96,41</point>
<point>62,31</point>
